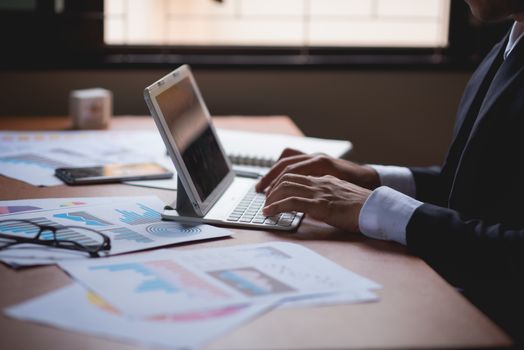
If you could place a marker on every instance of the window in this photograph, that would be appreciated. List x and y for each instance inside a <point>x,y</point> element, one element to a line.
<point>407,34</point>
<point>278,23</point>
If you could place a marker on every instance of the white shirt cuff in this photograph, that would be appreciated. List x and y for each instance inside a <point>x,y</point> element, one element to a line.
<point>396,177</point>
<point>386,214</point>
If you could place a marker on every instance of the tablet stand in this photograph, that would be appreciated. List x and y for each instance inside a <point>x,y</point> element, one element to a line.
<point>183,204</point>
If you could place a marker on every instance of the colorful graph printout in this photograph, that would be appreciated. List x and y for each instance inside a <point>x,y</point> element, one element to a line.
<point>103,214</point>
<point>169,281</point>
<point>167,277</point>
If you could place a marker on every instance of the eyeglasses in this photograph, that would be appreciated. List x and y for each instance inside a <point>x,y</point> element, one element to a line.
<point>39,231</point>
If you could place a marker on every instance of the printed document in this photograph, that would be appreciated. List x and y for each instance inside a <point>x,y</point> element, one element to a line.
<point>254,271</point>
<point>180,281</point>
<point>95,316</point>
<point>132,224</point>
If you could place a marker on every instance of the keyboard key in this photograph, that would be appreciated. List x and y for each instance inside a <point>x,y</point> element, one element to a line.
<point>271,221</point>
<point>285,222</point>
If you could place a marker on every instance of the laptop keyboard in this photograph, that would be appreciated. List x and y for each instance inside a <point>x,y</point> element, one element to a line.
<point>249,210</point>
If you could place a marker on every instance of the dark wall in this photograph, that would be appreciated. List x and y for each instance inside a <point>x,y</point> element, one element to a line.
<point>395,117</point>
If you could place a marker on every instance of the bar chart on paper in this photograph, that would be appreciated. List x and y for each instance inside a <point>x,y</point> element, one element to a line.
<point>147,216</point>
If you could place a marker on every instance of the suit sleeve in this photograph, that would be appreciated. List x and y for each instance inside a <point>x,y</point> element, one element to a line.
<point>457,244</point>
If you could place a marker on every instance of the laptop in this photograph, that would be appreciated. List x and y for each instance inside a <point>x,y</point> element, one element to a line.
<point>208,190</point>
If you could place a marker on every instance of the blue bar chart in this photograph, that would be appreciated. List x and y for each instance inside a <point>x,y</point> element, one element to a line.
<point>148,216</point>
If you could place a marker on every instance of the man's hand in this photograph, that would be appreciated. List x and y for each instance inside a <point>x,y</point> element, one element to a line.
<point>295,162</point>
<point>325,198</point>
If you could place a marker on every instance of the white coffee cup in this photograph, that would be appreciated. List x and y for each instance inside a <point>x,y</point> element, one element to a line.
<point>91,108</point>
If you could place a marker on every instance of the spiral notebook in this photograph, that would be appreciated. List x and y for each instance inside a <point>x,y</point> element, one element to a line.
<point>262,150</point>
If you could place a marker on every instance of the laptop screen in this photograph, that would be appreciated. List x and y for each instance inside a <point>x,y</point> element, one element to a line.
<point>191,131</point>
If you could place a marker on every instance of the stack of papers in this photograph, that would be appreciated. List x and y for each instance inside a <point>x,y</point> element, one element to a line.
<point>185,299</point>
<point>176,299</point>
<point>132,224</point>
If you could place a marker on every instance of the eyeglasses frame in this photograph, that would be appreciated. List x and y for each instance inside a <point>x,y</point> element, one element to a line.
<point>106,245</point>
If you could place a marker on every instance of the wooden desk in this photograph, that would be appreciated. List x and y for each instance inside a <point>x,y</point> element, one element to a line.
<point>417,308</point>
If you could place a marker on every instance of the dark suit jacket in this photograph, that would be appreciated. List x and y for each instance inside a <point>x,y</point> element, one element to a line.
<point>471,227</point>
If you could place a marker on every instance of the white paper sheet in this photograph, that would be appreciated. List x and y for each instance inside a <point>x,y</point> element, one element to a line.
<point>132,224</point>
<point>248,144</point>
<point>142,141</point>
<point>276,255</point>
<point>38,167</point>
<point>94,316</point>
<point>204,278</point>
<point>32,157</point>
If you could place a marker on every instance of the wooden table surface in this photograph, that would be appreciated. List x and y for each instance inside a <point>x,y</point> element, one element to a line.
<point>417,308</point>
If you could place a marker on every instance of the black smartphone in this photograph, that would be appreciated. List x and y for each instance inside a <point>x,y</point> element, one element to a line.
<point>112,173</point>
